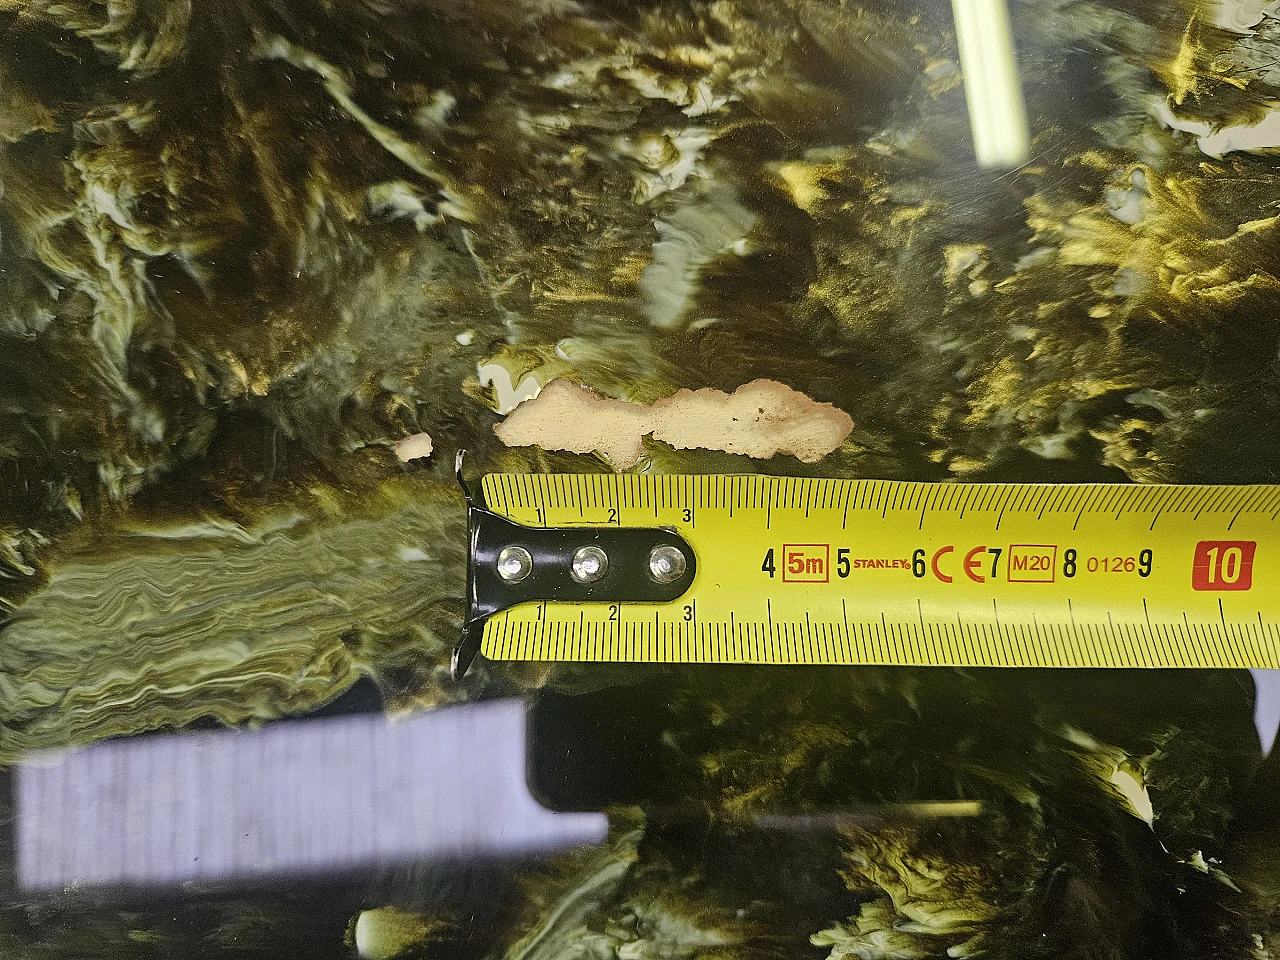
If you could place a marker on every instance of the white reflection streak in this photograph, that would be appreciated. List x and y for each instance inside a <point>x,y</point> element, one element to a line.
<point>1266,708</point>
<point>997,113</point>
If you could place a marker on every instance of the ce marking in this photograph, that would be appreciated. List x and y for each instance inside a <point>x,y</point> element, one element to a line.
<point>972,564</point>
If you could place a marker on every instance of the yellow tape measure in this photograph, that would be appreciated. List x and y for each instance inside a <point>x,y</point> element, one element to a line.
<point>878,572</point>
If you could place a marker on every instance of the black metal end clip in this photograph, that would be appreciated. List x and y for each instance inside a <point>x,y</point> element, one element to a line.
<point>508,563</point>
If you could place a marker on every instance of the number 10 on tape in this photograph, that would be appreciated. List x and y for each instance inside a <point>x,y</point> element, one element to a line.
<point>1223,565</point>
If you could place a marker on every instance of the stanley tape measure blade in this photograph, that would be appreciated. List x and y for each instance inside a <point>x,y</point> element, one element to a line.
<point>821,571</point>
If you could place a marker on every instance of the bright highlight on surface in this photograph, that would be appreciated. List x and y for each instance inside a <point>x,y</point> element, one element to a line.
<point>997,113</point>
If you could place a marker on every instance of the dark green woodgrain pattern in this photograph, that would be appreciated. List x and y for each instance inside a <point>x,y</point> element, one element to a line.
<point>247,246</point>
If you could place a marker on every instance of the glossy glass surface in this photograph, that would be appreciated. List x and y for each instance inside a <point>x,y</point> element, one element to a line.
<point>249,251</point>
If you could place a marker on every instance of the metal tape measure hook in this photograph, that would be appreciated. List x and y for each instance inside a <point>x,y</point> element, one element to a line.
<point>510,564</point>
<point>472,627</point>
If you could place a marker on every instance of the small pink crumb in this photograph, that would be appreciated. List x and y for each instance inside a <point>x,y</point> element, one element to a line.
<point>415,447</point>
